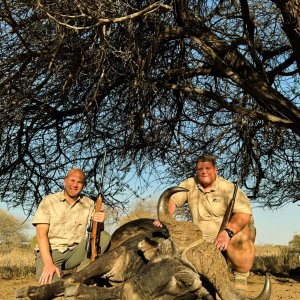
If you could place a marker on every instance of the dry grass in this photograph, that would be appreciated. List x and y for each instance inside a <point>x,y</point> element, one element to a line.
<point>275,259</point>
<point>270,250</point>
<point>18,263</point>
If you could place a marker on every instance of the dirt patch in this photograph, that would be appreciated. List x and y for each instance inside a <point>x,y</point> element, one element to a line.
<point>283,288</point>
<point>8,287</point>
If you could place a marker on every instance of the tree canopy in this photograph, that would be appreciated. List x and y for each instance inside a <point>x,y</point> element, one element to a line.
<point>156,84</point>
<point>12,232</point>
<point>295,242</point>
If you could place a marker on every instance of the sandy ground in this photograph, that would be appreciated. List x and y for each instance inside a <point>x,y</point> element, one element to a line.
<point>282,288</point>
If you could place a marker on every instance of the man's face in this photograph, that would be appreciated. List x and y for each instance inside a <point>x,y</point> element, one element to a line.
<point>74,183</point>
<point>206,173</point>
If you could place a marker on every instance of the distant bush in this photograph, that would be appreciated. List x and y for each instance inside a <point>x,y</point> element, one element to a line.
<point>295,242</point>
<point>32,243</point>
<point>276,259</point>
<point>12,232</point>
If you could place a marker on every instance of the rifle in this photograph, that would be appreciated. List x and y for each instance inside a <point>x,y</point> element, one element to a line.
<point>94,233</point>
<point>94,229</point>
<point>229,210</point>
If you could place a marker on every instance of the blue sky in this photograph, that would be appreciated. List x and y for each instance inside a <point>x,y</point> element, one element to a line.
<point>277,227</point>
<point>273,227</point>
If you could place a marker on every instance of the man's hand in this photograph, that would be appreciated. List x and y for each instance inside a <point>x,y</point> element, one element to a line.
<point>222,241</point>
<point>157,223</point>
<point>99,216</point>
<point>48,273</point>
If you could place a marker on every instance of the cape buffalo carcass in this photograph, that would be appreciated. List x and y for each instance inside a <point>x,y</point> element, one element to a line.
<point>147,262</point>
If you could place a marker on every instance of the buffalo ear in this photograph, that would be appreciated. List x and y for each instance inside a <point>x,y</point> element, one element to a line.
<point>148,247</point>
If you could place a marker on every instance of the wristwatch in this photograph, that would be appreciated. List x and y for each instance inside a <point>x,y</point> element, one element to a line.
<point>229,232</point>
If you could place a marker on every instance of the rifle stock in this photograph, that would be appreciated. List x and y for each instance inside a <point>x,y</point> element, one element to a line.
<point>93,242</point>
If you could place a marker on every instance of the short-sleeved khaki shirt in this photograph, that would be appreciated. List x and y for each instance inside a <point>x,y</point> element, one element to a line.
<point>208,207</point>
<point>67,223</point>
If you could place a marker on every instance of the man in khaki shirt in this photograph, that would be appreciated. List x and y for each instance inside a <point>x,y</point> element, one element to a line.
<point>208,198</point>
<point>61,221</point>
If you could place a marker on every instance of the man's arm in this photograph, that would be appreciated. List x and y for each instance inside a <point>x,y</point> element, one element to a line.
<point>44,247</point>
<point>172,207</point>
<point>236,224</point>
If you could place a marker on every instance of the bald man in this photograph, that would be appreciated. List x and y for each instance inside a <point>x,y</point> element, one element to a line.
<point>61,221</point>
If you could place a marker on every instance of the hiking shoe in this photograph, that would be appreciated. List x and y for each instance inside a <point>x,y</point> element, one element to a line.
<point>241,284</point>
<point>240,280</point>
